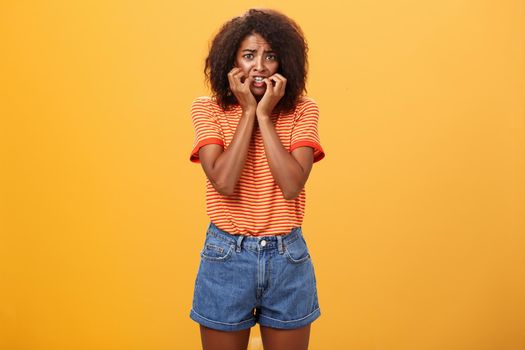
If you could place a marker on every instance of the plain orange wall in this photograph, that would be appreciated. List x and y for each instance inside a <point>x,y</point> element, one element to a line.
<point>415,218</point>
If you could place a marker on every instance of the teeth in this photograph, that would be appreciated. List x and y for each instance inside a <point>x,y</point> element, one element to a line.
<point>258,79</point>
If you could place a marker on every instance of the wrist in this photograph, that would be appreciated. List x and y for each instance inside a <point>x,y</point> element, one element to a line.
<point>249,112</point>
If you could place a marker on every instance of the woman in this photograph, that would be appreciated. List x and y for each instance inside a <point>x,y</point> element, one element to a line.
<point>256,139</point>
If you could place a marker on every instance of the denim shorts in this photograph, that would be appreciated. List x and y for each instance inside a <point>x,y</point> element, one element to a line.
<point>244,279</point>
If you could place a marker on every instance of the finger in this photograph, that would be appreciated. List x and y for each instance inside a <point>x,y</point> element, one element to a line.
<point>280,84</point>
<point>279,76</point>
<point>248,82</point>
<point>269,85</point>
<point>237,72</point>
<point>232,72</point>
<point>238,76</point>
<point>234,77</point>
<point>277,80</point>
<point>233,84</point>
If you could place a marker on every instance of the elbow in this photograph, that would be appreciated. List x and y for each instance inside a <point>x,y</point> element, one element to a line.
<point>221,182</point>
<point>224,188</point>
<point>292,193</point>
<point>227,192</point>
<point>224,192</point>
<point>289,195</point>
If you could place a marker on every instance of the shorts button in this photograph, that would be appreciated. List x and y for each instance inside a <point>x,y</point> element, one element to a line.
<point>263,242</point>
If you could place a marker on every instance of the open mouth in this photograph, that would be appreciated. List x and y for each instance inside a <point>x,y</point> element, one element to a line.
<point>258,84</point>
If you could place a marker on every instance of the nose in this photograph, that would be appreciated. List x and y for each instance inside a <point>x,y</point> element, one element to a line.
<point>259,66</point>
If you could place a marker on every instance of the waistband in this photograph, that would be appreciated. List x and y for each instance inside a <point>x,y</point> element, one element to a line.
<point>256,242</point>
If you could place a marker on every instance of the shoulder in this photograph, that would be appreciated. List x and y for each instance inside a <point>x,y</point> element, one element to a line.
<point>305,100</point>
<point>204,104</point>
<point>306,104</point>
<point>208,102</point>
<point>202,100</point>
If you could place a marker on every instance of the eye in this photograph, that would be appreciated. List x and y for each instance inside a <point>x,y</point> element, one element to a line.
<point>273,57</point>
<point>248,54</point>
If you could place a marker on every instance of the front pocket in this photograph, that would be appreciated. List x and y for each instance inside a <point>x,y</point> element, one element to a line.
<point>297,251</point>
<point>216,250</point>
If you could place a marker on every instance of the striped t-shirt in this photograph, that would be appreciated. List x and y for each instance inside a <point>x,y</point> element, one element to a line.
<point>257,207</point>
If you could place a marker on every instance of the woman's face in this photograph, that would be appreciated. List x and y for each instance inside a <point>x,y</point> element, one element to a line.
<point>256,58</point>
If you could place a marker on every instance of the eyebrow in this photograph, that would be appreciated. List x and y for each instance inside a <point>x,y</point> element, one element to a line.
<point>256,51</point>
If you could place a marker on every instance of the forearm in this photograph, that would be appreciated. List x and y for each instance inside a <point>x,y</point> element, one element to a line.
<point>285,169</point>
<point>229,165</point>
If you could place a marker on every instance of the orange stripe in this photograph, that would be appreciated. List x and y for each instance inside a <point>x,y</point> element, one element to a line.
<point>194,157</point>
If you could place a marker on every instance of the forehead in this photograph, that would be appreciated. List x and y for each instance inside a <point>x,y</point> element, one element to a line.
<point>254,41</point>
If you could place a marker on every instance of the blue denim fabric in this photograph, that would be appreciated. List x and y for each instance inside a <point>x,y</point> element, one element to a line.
<point>243,280</point>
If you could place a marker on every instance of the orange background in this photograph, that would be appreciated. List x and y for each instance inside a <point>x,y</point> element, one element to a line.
<point>415,218</point>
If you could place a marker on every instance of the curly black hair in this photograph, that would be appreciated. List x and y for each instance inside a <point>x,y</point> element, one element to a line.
<point>284,36</point>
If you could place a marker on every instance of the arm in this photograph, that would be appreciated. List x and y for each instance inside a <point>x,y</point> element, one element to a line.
<point>290,170</point>
<point>224,167</point>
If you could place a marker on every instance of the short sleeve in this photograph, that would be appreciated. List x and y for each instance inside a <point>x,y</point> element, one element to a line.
<point>305,132</point>
<point>206,126</point>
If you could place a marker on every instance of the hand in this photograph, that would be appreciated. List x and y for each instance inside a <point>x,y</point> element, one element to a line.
<point>272,95</point>
<point>242,90</point>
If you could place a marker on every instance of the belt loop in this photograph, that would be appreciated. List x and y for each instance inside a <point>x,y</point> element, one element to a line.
<point>280,244</point>
<point>239,240</point>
